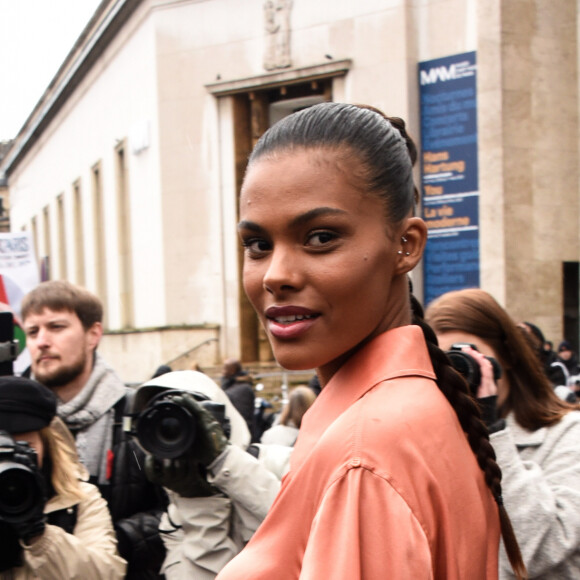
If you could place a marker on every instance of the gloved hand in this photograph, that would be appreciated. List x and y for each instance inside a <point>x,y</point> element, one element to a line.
<point>31,529</point>
<point>210,439</point>
<point>11,552</point>
<point>182,475</point>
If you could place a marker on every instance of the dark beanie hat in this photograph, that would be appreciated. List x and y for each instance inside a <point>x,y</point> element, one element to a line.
<point>25,405</point>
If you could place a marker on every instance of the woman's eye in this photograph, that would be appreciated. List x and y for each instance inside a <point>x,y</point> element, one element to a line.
<point>256,246</point>
<point>321,238</point>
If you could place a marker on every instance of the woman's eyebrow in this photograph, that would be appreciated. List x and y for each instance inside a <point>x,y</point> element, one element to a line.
<point>248,225</point>
<point>298,220</point>
<point>315,213</point>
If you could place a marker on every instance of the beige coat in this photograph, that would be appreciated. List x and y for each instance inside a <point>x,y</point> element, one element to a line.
<point>89,553</point>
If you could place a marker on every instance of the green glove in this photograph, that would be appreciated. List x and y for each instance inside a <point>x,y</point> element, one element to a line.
<point>182,475</point>
<point>210,439</point>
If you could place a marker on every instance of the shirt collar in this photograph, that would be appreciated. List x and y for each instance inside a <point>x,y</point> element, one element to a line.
<point>399,352</point>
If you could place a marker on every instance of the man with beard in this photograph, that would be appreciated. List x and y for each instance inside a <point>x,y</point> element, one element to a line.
<point>63,326</point>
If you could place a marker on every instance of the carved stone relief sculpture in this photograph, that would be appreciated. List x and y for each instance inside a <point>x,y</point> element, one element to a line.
<point>277,24</point>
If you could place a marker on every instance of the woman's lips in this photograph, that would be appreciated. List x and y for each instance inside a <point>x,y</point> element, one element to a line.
<point>289,321</point>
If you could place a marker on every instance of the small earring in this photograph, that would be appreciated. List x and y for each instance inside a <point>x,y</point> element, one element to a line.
<point>403,239</point>
<point>400,252</point>
<point>407,253</point>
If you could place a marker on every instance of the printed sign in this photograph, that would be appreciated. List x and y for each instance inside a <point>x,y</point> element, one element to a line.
<point>449,173</point>
<point>18,275</point>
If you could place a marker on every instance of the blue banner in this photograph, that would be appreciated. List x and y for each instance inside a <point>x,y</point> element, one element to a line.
<point>449,173</point>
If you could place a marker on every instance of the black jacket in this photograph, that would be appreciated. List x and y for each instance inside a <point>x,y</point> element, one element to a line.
<point>241,393</point>
<point>136,505</point>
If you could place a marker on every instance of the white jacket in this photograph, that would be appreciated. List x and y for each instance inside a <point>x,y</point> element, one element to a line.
<point>203,534</point>
<point>541,491</point>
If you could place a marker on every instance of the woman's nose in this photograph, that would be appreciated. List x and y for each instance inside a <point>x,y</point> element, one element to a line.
<point>283,272</point>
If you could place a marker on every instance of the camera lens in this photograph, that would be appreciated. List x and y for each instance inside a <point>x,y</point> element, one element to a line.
<point>467,366</point>
<point>166,429</point>
<point>20,493</point>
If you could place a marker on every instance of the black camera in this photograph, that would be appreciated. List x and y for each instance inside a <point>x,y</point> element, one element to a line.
<point>168,430</point>
<point>9,346</point>
<point>22,485</point>
<point>468,367</point>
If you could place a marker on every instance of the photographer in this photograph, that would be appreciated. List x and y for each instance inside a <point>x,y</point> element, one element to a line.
<point>53,525</point>
<point>219,493</point>
<point>63,323</point>
<point>533,432</point>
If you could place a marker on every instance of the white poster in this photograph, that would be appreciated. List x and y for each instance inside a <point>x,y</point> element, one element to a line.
<point>18,275</point>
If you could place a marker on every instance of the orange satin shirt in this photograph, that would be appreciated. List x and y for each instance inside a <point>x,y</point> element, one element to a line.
<point>382,482</point>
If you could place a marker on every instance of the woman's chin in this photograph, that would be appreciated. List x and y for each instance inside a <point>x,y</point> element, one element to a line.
<point>294,362</point>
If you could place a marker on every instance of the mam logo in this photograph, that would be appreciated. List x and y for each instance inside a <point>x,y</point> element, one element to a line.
<point>457,70</point>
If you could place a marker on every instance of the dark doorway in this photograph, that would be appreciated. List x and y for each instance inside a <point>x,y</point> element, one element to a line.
<point>254,112</point>
<point>571,277</point>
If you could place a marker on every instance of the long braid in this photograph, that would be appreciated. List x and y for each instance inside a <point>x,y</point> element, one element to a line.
<point>456,391</point>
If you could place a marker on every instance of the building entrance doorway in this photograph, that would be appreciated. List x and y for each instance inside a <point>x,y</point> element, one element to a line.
<point>254,113</point>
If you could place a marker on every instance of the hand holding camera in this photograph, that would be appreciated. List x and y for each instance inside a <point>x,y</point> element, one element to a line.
<point>481,372</point>
<point>183,436</point>
<point>210,437</point>
<point>22,489</point>
<point>184,476</point>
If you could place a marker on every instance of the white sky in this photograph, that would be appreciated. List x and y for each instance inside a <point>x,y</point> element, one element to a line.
<point>35,37</point>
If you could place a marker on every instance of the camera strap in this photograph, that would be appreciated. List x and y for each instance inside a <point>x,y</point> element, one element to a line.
<point>122,407</point>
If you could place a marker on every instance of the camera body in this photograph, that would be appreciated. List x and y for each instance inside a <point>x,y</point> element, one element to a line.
<point>167,429</point>
<point>468,367</point>
<point>22,485</point>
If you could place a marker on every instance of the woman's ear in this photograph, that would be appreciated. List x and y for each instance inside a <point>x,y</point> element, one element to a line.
<point>412,242</point>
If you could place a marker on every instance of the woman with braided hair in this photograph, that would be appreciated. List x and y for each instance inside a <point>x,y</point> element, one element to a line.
<point>534,433</point>
<point>382,480</point>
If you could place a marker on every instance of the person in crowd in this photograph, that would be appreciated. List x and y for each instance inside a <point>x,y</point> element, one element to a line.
<point>237,385</point>
<point>555,373</point>
<point>314,384</point>
<point>534,433</point>
<point>264,417</point>
<point>568,358</point>
<point>383,481</point>
<point>219,493</point>
<point>58,528</point>
<point>285,431</point>
<point>161,370</point>
<point>63,326</point>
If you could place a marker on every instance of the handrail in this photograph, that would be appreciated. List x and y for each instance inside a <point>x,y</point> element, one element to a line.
<point>188,352</point>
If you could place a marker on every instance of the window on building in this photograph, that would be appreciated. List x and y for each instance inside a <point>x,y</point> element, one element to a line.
<point>34,231</point>
<point>47,251</point>
<point>99,235</point>
<point>124,237</point>
<point>79,234</point>
<point>61,225</point>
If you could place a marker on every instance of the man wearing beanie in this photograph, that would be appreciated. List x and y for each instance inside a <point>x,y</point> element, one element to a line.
<point>63,326</point>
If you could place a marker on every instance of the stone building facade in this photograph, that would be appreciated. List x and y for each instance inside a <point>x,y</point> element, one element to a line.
<point>128,170</point>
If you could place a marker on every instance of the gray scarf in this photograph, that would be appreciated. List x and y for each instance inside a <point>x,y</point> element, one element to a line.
<point>91,416</point>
